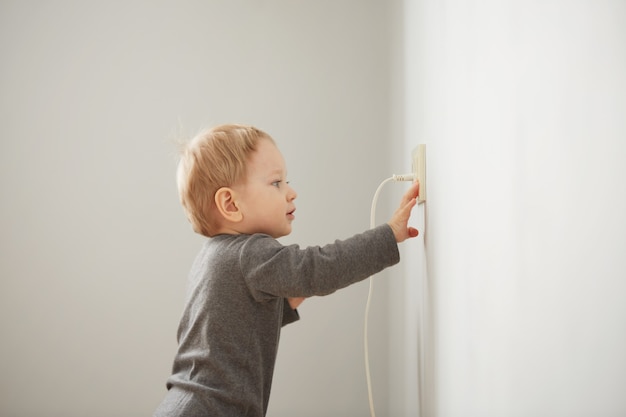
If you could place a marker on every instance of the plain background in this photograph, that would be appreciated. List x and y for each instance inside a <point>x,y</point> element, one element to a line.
<point>95,248</point>
<point>511,301</point>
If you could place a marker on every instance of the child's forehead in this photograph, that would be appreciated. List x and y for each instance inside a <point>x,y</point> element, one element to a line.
<point>268,158</point>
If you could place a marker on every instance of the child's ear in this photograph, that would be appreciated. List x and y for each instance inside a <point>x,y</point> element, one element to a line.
<point>227,205</point>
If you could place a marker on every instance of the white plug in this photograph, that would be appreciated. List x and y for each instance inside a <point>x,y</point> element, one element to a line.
<point>403,177</point>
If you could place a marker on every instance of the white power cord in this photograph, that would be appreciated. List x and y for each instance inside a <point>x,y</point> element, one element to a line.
<point>404,177</point>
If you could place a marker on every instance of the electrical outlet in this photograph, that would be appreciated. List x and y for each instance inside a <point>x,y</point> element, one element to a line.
<point>418,164</point>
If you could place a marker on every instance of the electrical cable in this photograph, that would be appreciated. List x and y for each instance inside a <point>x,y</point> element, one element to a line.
<point>404,177</point>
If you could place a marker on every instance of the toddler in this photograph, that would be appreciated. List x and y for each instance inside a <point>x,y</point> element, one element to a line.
<point>244,284</point>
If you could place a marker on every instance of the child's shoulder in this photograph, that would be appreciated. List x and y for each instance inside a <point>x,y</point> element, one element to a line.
<point>228,249</point>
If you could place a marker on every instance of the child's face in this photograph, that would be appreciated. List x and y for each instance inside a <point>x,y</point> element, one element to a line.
<point>266,199</point>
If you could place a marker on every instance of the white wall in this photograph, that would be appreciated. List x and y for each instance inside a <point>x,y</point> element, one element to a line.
<point>522,105</point>
<point>94,249</point>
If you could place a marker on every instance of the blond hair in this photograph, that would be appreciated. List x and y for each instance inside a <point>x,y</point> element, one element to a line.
<point>215,158</point>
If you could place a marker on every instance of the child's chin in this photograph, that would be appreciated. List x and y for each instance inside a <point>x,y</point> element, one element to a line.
<point>284,233</point>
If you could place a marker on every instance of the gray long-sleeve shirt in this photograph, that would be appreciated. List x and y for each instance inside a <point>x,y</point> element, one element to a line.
<point>237,303</point>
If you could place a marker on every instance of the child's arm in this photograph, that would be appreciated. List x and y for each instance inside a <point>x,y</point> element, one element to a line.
<point>399,220</point>
<point>398,223</point>
<point>273,270</point>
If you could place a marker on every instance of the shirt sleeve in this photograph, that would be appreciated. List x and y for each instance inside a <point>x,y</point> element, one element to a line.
<point>273,270</point>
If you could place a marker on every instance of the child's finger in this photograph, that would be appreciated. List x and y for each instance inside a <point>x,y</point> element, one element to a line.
<point>412,192</point>
<point>407,207</point>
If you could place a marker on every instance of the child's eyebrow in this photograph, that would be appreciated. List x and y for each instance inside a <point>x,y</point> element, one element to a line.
<point>278,172</point>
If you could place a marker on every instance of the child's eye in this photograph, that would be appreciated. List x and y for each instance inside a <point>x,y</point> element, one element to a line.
<point>278,182</point>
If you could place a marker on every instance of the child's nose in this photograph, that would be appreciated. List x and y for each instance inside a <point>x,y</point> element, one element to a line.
<point>291,194</point>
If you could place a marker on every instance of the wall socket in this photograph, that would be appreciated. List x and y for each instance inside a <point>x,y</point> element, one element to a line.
<point>418,165</point>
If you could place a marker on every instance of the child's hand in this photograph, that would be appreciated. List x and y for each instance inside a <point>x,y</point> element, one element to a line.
<point>400,219</point>
<point>295,302</point>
